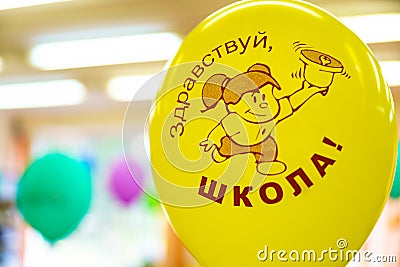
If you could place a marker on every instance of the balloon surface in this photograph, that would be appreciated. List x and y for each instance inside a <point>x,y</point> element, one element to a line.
<point>274,130</point>
<point>54,195</point>
<point>123,184</point>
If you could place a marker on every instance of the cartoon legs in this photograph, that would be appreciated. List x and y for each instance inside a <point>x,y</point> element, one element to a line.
<point>265,154</point>
<point>271,167</point>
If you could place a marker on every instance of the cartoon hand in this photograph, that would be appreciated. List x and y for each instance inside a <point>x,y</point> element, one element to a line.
<point>208,144</point>
<point>324,91</point>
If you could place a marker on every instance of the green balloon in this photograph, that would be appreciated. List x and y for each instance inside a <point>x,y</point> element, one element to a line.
<point>395,192</point>
<point>150,203</point>
<point>54,195</point>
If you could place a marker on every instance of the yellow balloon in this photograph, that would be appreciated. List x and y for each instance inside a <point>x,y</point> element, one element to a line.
<point>273,138</point>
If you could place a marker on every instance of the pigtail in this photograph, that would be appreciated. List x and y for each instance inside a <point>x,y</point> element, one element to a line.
<point>213,90</point>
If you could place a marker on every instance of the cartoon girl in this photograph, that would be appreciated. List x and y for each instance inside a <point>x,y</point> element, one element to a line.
<point>253,111</point>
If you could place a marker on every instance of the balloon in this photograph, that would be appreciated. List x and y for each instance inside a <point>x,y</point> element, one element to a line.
<point>123,184</point>
<point>54,195</point>
<point>151,203</point>
<point>88,161</point>
<point>395,191</point>
<point>273,130</point>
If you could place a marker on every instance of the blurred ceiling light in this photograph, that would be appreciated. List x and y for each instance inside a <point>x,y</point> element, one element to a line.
<point>124,88</point>
<point>41,94</point>
<point>375,28</point>
<point>4,5</point>
<point>104,51</point>
<point>391,72</point>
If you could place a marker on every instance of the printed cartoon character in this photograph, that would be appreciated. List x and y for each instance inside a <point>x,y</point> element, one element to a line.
<point>253,111</point>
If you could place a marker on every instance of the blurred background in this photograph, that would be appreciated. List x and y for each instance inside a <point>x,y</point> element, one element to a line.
<point>82,49</point>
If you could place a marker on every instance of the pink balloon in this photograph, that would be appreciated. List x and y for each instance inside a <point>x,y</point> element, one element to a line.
<point>124,182</point>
